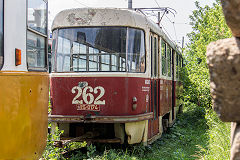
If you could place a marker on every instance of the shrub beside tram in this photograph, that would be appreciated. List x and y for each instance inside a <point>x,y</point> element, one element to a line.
<point>24,81</point>
<point>115,77</point>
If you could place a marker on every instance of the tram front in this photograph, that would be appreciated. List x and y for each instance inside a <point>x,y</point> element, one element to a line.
<point>99,75</point>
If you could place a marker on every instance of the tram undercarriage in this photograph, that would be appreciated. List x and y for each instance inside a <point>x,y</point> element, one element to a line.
<point>126,130</point>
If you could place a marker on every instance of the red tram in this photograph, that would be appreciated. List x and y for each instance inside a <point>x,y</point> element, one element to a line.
<point>115,76</point>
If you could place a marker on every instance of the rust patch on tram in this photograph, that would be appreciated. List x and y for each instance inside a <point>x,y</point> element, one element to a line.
<point>83,19</point>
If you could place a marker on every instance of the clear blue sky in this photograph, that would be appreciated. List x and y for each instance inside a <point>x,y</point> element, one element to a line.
<point>184,8</point>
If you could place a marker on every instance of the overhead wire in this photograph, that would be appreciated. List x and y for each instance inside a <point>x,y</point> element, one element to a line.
<point>157,3</point>
<point>154,14</point>
<point>174,28</point>
<point>164,28</point>
<point>167,32</point>
<point>81,3</point>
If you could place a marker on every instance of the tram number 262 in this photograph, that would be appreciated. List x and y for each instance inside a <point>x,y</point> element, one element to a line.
<point>88,95</point>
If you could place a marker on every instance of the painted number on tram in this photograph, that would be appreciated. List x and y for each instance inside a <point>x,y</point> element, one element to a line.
<point>88,95</point>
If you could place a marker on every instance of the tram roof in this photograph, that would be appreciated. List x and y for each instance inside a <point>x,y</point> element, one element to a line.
<point>90,17</point>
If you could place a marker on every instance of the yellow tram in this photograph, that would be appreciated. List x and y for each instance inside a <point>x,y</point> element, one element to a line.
<point>24,80</point>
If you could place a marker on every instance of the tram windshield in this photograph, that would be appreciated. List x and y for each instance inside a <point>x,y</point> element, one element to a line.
<point>98,49</point>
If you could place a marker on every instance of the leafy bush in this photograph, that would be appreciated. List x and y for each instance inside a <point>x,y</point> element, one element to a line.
<point>51,152</point>
<point>208,25</point>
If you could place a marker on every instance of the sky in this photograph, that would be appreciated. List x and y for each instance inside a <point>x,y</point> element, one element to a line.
<point>175,27</point>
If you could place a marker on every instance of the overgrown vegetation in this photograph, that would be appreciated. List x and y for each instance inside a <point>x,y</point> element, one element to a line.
<point>208,25</point>
<point>198,132</point>
<point>196,135</point>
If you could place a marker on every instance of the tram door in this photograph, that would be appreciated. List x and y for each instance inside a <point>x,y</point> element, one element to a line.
<point>154,107</point>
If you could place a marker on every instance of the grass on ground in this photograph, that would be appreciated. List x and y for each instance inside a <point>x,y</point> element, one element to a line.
<point>197,134</point>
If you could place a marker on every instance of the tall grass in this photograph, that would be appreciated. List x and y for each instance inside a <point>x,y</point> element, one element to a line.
<point>219,138</point>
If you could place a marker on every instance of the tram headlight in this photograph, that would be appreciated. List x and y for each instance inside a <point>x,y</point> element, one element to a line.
<point>134,102</point>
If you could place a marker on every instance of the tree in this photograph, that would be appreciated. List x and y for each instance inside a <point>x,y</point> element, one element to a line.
<point>208,25</point>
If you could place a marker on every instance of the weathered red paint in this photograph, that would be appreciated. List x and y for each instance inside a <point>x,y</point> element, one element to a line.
<point>165,96</point>
<point>119,92</point>
<point>153,125</point>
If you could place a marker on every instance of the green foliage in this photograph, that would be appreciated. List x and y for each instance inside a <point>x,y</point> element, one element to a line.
<point>51,152</point>
<point>55,153</point>
<point>219,138</point>
<point>208,25</point>
<point>181,141</point>
<point>79,155</point>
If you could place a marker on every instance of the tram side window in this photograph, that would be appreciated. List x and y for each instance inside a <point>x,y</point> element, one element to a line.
<point>177,65</point>
<point>164,57</point>
<point>54,41</point>
<point>169,60</point>
<point>1,34</point>
<point>136,50</point>
<point>180,67</point>
<point>63,59</point>
<point>35,50</point>
<point>37,15</point>
<point>155,56</point>
<point>37,35</point>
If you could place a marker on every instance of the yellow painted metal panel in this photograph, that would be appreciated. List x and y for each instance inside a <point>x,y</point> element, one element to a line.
<point>135,131</point>
<point>23,114</point>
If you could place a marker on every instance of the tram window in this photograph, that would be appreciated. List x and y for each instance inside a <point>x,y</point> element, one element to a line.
<point>63,58</point>
<point>164,59</point>
<point>177,66</point>
<point>53,63</point>
<point>155,56</point>
<point>1,34</point>
<point>63,63</point>
<point>35,50</point>
<point>180,66</point>
<point>151,55</point>
<point>177,59</point>
<point>114,63</point>
<point>122,64</point>
<point>93,59</point>
<point>136,50</point>
<point>36,41</point>
<point>101,49</point>
<point>169,68</point>
<point>37,19</point>
<point>79,64</point>
<point>105,62</point>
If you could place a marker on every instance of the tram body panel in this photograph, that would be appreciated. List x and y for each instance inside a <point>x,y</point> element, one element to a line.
<point>112,96</point>
<point>24,81</point>
<point>14,38</point>
<point>23,114</point>
<point>165,96</point>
